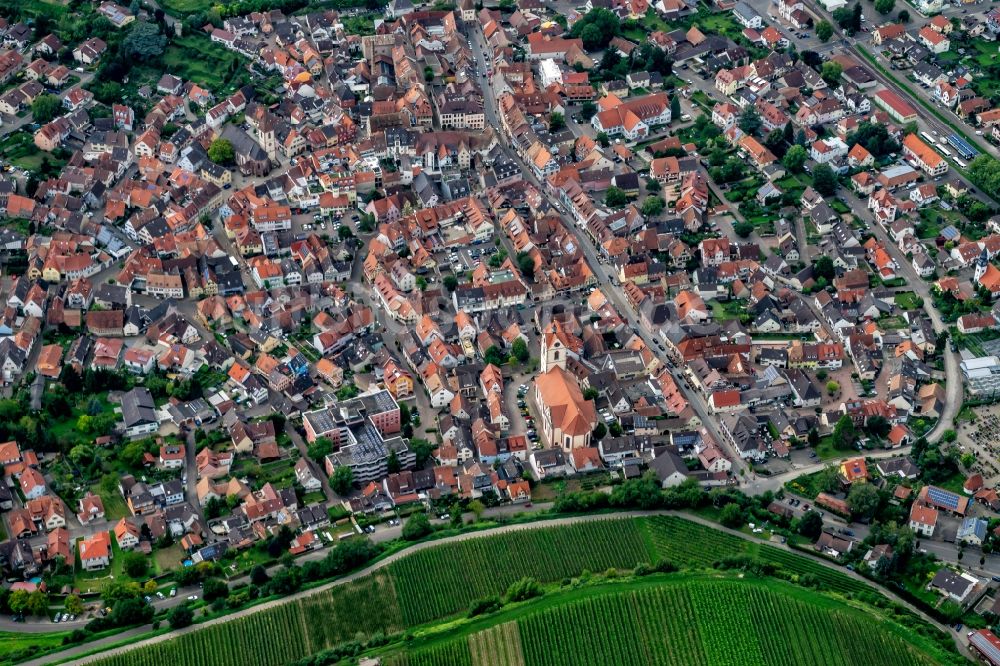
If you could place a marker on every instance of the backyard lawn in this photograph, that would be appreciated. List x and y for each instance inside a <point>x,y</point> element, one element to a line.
<point>91,582</point>
<point>907,300</point>
<point>114,504</point>
<point>169,558</point>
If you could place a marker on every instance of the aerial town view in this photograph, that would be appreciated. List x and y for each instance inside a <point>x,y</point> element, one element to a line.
<point>500,333</point>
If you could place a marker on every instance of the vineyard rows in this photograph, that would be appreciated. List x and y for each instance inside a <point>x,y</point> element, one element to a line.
<point>694,623</point>
<point>367,605</point>
<point>689,544</point>
<point>438,582</point>
<point>497,646</point>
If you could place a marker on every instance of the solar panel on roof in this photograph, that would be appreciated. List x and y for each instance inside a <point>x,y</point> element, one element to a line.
<point>989,649</point>
<point>962,146</point>
<point>943,497</point>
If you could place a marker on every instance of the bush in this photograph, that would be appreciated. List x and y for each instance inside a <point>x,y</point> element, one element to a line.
<point>181,617</point>
<point>522,590</point>
<point>417,527</point>
<point>484,605</point>
<point>215,588</point>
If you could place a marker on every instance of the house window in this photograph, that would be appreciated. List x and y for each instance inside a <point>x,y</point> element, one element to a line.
<point>568,443</point>
<point>555,356</point>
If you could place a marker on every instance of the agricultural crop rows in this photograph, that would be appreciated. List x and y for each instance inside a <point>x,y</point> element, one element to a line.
<point>698,623</point>
<point>689,544</point>
<point>730,637</point>
<point>367,605</point>
<point>441,581</point>
<point>268,638</point>
<point>695,624</point>
<point>800,564</point>
<point>497,646</point>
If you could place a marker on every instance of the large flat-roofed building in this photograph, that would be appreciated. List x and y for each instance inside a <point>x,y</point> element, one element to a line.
<point>367,454</point>
<point>334,422</point>
<point>982,375</point>
<point>365,433</point>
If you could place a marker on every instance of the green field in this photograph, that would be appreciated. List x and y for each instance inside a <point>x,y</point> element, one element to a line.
<point>181,7</point>
<point>196,58</point>
<point>18,647</point>
<point>439,583</point>
<point>674,621</point>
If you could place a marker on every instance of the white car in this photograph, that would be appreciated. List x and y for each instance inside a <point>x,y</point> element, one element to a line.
<point>193,597</point>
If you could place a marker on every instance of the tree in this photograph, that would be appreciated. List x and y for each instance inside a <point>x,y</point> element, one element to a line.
<point>615,197</point>
<point>844,433</point>
<point>519,349</point>
<point>875,138</point>
<point>392,463</point>
<point>862,500</point>
<point>750,120</point>
<point>221,151</point>
<point>849,19</point>
<point>832,387</point>
<point>320,449</point>
<point>526,263</point>
<point>45,108</point>
<point>38,603</point>
<point>74,604</point>
<point>731,515</point>
<point>417,527</point>
<point>824,180</point>
<point>258,575</point>
<point>18,601</point>
<point>602,138</point>
<point>831,72</point>
<point>903,16</point>
<point>143,42</point>
<point>743,229</point>
<point>675,107</point>
<point>885,6</point>
<point>823,268</point>
<point>118,589</point>
<point>421,282</point>
<point>653,206</point>
<point>180,617</point>
<point>134,564</point>
<point>556,121</point>
<point>795,158</point>
<point>495,356</point>
<point>600,430</point>
<point>450,282</point>
<point>878,426</point>
<point>588,110</point>
<point>824,30</point>
<point>596,28</point>
<point>775,142</point>
<point>214,588</point>
<point>477,508</point>
<point>810,525</point>
<point>342,480</point>
<point>788,133</point>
